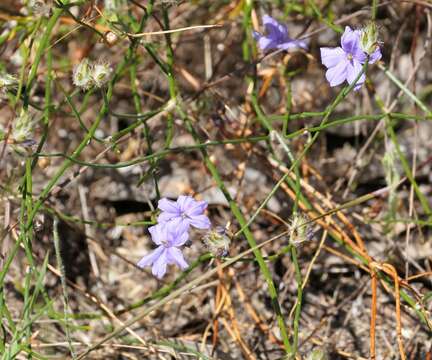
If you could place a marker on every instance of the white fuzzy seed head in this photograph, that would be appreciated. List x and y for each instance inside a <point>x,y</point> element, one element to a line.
<point>101,73</point>
<point>8,81</point>
<point>299,230</point>
<point>317,354</point>
<point>217,241</point>
<point>369,38</point>
<point>22,129</point>
<point>82,76</point>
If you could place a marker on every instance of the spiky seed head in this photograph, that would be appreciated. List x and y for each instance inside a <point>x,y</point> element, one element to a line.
<point>317,354</point>
<point>299,230</point>
<point>369,38</point>
<point>82,76</point>
<point>8,81</point>
<point>22,129</point>
<point>101,73</point>
<point>217,241</point>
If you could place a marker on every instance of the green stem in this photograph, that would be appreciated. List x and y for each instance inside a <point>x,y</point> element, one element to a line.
<point>157,155</point>
<point>299,298</point>
<point>407,91</point>
<point>42,46</point>
<point>139,110</point>
<point>374,9</point>
<point>233,206</point>
<point>89,135</point>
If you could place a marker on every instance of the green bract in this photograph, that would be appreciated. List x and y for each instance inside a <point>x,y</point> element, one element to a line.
<point>369,38</point>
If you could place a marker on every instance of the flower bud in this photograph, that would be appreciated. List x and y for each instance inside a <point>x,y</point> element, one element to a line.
<point>299,229</point>
<point>369,38</point>
<point>81,75</point>
<point>8,82</point>
<point>217,241</point>
<point>39,7</point>
<point>22,130</point>
<point>101,73</point>
<point>21,137</point>
<point>317,354</point>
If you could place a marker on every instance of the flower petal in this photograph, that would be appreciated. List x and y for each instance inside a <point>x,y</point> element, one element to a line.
<point>265,43</point>
<point>200,222</point>
<point>175,256</point>
<point>150,258</point>
<point>375,56</point>
<point>359,55</point>
<point>269,21</point>
<point>292,44</point>
<point>180,239</point>
<point>256,35</point>
<point>332,56</point>
<point>184,202</point>
<point>197,208</point>
<point>350,40</point>
<point>168,206</point>
<point>158,233</point>
<point>261,40</point>
<point>165,217</point>
<point>336,75</point>
<point>160,265</point>
<point>178,232</point>
<point>353,70</point>
<point>275,30</point>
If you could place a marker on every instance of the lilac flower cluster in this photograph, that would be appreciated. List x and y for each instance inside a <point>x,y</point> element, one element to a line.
<point>343,63</point>
<point>172,232</point>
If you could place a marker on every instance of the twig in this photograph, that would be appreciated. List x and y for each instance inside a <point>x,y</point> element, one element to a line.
<point>163,32</point>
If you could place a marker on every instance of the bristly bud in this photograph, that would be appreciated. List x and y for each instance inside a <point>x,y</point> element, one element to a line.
<point>22,133</point>
<point>101,73</point>
<point>40,7</point>
<point>217,241</point>
<point>317,354</point>
<point>82,76</point>
<point>299,230</point>
<point>22,128</point>
<point>88,74</point>
<point>8,82</point>
<point>369,38</point>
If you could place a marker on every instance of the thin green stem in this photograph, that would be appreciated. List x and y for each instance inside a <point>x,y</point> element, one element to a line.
<point>87,138</point>
<point>407,91</point>
<point>157,155</point>
<point>42,47</point>
<point>374,9</point>
<point>299,282</point>
<point>146,130</point>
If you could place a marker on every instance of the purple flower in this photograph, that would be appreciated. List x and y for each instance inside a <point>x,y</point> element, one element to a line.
<point>184,212</point>
<point>169,238</point>
<point>346,62</point>
<point>277,36</point>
